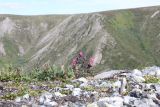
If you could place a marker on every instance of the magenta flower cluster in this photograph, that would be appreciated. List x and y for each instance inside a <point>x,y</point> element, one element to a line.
<point>81,60</point>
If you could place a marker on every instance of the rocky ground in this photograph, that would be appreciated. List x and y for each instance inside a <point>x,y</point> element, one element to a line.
<point>116,88</point>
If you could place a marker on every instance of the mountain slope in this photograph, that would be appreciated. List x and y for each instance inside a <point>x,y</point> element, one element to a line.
<point>120,39</point>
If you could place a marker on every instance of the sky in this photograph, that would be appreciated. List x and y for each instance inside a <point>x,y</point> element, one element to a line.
<point>37,7</point>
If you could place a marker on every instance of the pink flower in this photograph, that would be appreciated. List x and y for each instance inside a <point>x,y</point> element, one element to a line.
<point>74,62</point>
<point>81,54</point>
<point>91,61</point>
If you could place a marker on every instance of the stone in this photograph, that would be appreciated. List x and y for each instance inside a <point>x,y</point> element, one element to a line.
<point>24,106</point>
<point>117,84</point>
<point>58,94</point>
<point>51,104</point>
<point>76,104</point>
<point>123,86</point>
<point>145,103</point>
<point>92,105</point>
<point>83,85</point>
<point>154,71</point>
<point>45,97</point>
<point>57,89</point>
<point>105,84</point>
<point>1,87</point>
<point>102,104</point>
<point>136,72</point>
<point>113,101</point>
<point>76,92</point>
<point>70,87</point>
<point>128,99</point>
<point>108,74</point>
<point>116,101</point>
<point>137,93</point>
<point>138,79</point>
<point>157,87</point>
<point>83,80</point>
<point>26,97</point>
<point>18,99</point>
<point>148,86</point>
<point>41,100</point>
<point>35,105</point>
<point>158,96</point>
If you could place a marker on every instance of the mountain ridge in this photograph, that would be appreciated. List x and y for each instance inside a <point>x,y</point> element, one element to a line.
<point>119,39</point>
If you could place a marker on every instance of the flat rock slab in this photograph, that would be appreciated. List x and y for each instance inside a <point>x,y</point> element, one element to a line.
<point>108,74</point>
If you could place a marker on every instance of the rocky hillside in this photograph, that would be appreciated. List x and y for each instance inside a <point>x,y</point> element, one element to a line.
<point>122,39</point>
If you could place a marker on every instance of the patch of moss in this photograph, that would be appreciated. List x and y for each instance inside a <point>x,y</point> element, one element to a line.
<point>66,92</point>
<point>35,92</point>
<point>10,96</point>
<point>151,79</point>
<point>88,88</point>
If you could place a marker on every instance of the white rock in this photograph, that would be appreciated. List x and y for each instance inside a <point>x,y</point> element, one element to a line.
<point>136,72</point>
<point>24,106</point>
<point>113,101</point>
<point>117,101</point>
<point>41,100</point>
<point>40,106</point>
<point>128,99</point>
<point>106,99</point>
<point>104,104</point>
<point>76,92</point>
<point>136,86</point>
<point>105,84</point>
<point>109,105</point>
<point>123,85</point>
<point>46,101</point>
<point>148,86</point>
<point>157,86</point>
<point>86,94</point>
<point>18,99</point>
<point>138,79</point>
<point>107,74</point>
<point>82,79</point>
<point>26,96</point>
<point>58,94</point>
<point>92,105</point>
<point>144,103</point>
<point>117,84</point>
<point>51,104</point>
<point>69,86</point>
<point>83,85</point>
<point>45,97</point>
<point>154,71</point>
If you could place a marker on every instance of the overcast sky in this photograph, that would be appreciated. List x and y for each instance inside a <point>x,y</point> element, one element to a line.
<point>34,7</point>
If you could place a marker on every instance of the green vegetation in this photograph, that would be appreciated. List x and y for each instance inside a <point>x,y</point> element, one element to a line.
<point>88,88</point>
<point>151,79</point>
<point>131,41</point>
<point>66,92</point>
<point>136,37</point>
<point>21,80</point>
<point>46,73</point>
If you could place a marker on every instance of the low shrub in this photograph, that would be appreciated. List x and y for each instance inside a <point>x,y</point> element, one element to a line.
<point>81,64</point>
<point>37,74</point>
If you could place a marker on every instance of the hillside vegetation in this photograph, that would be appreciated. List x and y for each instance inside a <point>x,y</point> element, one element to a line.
<point>122,39</point>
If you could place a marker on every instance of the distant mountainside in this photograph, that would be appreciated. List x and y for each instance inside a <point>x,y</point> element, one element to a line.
<point>121,39</point>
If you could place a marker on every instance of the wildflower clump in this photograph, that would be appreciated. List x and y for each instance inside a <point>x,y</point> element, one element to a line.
<point>82,64</point>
